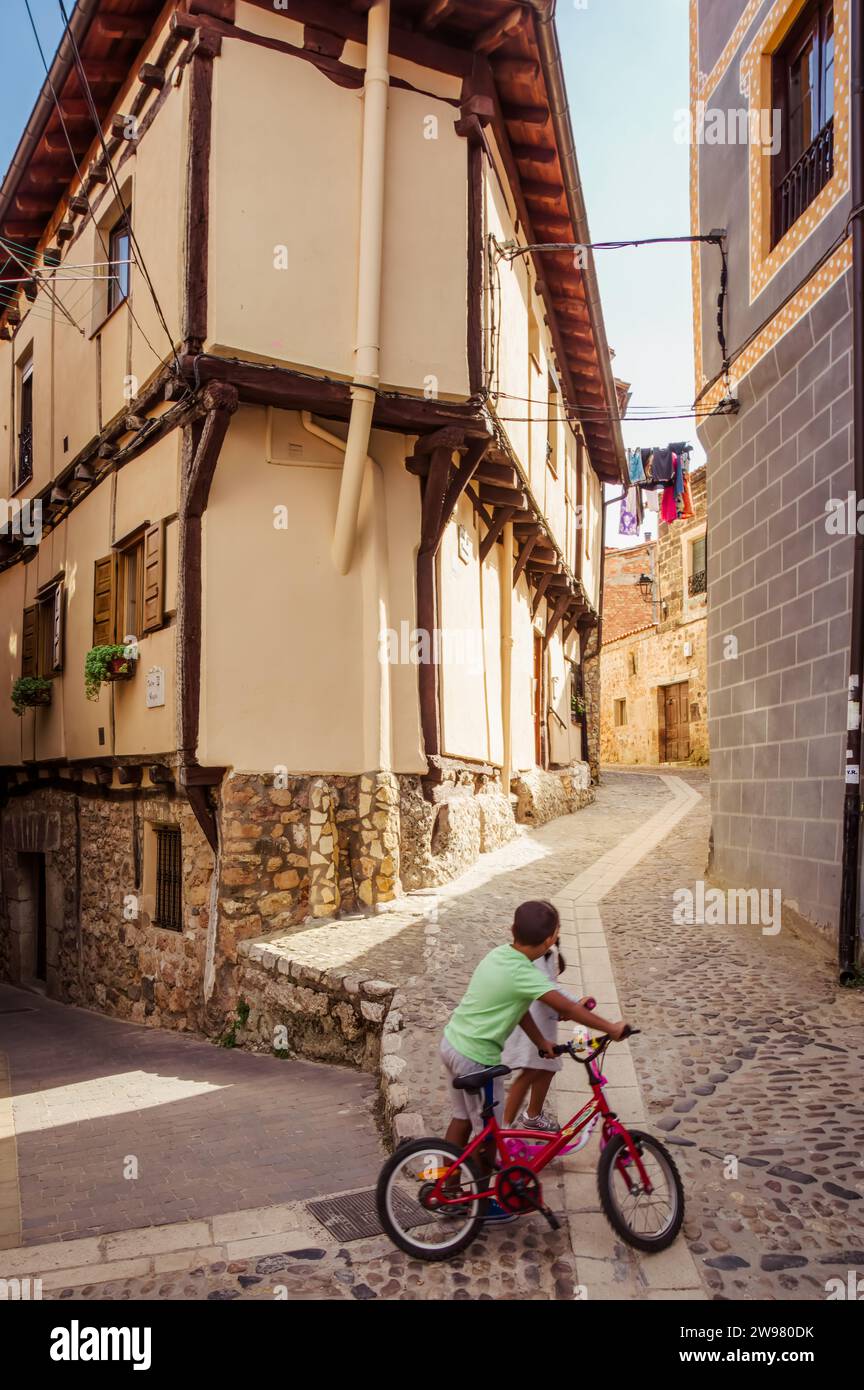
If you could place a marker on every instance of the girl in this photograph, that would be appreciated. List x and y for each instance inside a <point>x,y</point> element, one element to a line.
<point>535,1072</point>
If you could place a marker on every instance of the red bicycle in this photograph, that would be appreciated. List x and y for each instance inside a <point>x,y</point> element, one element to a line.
<point>432,1198</point>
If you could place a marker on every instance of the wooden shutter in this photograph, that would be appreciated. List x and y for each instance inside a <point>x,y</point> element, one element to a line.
<point>59,616</point>
<point>30,642</point>
<point>103,602</point>
<point>154,577</point>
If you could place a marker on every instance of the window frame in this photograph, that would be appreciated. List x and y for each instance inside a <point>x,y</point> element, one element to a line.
<point>163,831</point>
<point>118,293</point>
<point>810,26</point>
<point>621,713</point>
<point>24,382</point>
<point>123,552</point>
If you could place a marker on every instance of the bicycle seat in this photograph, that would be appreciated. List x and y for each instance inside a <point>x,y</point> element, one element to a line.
<point>476,1080</point>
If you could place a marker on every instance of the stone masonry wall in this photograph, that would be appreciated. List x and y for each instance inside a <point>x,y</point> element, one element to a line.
<point>104,952</point>
<point>780,586</point>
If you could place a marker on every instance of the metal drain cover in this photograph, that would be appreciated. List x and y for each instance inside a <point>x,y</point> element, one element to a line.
<point>354,1216</point>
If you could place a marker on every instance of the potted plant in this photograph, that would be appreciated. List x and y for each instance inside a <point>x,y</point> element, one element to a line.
<point>101,664</point>
<point>577,708</point>
<point>29,691</point>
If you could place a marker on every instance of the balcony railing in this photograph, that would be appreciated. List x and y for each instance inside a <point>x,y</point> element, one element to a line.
<point>25,455</point>
<point>698,583</point>
<point>807,177</point>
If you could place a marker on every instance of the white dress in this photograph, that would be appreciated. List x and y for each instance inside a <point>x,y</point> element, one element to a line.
<point>519,1051</point>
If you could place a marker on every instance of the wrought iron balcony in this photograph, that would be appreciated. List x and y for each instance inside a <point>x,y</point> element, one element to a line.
<point>807,177</point>
<point>698,583</point>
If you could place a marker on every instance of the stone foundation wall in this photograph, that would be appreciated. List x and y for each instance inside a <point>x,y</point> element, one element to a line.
<point>291,1008</point>
<point>103,950</point>
<point>541,796</point>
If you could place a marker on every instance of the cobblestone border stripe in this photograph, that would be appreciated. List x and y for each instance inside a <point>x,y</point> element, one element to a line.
<point>10,1192</point>
<point>165,1249</point>
<point>604,1267</point>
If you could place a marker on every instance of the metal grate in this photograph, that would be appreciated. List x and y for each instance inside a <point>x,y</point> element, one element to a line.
<point>169,880</point>
<point>354,1216</point>
<point>805,180</point>
<point>698,583</point>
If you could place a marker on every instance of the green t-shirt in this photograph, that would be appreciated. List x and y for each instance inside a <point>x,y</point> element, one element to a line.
<point>502,989</point>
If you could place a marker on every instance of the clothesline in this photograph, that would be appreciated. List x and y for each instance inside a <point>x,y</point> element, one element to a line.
<point>651,471</point>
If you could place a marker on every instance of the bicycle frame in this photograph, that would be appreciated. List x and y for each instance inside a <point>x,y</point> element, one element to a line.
<point>545,1152</point>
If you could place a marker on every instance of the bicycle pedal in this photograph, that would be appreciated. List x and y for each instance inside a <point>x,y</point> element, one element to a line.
<point>550,1216</point>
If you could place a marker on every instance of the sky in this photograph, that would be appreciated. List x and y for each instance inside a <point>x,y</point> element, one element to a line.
<point>627,70</point>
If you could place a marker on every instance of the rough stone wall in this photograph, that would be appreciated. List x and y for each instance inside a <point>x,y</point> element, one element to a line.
<point>659,660</point>
<point>441,838</point>
<point>780,586</point>
<point>637,660</point>
<point>541,796</point>
<point>592,685</point>
<point>292,1008</point>
<point>104,953</point>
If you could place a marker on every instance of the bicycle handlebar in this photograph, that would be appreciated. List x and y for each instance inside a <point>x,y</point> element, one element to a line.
<point>561,1048</point>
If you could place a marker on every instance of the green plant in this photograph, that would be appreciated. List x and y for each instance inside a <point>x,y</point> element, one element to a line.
<point>577,707</point>
<point>96,664</point>
<point>241,1017</point>
<point>28,691</point>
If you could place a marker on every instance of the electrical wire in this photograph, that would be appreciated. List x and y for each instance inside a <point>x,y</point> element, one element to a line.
<point>88,94</point>
<point>77,169</point>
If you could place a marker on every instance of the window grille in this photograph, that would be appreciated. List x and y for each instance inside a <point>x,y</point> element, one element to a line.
<point>169,882</point>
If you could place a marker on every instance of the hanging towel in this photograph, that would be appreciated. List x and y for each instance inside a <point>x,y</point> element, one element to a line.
<point>637,472</point>
<point>679,475</point>
<point>669,509</point>
<point>628,525</point>
<point>652,500</point>
<point>685,501</point>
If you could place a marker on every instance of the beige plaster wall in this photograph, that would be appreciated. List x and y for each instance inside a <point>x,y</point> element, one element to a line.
<point>280,621</point>
<point>285,173</point>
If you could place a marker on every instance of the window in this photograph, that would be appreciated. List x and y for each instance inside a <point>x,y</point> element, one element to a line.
<point>634,664</point>
<point>24,452</point>
<point>554,415</point>
<point>42,634</point>
<point>698,581</point>
<point>128,588</point>
<point>803,77</point>
<point>169,878</point>
<point>119,246</point>
<point>620,713</point>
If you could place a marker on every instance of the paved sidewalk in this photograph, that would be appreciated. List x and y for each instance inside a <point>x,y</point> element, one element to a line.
<point>203,1129</point>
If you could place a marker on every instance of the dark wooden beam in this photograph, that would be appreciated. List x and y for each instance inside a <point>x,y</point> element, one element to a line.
<point>499,521</point>
<point>526,115</point>
<point>516,69</point>
<point>195,278</point>
<point>503,473</point>
<point>120,27</point>
<point>560,609</point>
<point>503,497</point>
<point>130,775</point>
<point>435,12</point>
<point>539,594</point>
<point>500,30</point>
<point>525,555</point>
<point>534,154</point>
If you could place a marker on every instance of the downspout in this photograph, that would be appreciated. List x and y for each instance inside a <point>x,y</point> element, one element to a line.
<point>507,659</point>
<point>367,353</point>
<point>378,719</point>
<point>848,927</point>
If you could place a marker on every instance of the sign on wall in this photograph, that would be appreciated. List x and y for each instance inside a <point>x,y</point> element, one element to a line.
<point>155,687</point>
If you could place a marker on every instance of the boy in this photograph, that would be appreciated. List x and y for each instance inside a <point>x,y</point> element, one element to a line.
<point>499,995</point>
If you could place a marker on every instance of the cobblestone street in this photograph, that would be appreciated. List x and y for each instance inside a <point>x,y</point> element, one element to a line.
<point>748,1064</point>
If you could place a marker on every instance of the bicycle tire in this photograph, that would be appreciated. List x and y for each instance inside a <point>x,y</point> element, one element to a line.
<point>398,1237</point>
<point>650,1244</point>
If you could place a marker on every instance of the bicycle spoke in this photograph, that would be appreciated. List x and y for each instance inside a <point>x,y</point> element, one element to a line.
<point>413,1180</point>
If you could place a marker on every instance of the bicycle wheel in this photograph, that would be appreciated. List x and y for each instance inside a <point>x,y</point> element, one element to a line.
<point>648,1221</point>
<point>405,1184</point>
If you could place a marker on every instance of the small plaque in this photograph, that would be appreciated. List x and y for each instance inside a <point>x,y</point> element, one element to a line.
<point>853,775</point>
<point>465,547</point>
<point>155,687</point>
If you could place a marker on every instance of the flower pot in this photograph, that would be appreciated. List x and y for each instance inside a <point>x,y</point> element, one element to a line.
<point>120,668</point>
<point>41,697</point>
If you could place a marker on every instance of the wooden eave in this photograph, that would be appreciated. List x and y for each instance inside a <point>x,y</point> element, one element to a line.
<point>110,35</point>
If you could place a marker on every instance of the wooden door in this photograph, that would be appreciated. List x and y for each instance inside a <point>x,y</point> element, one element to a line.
<point>674,722</point>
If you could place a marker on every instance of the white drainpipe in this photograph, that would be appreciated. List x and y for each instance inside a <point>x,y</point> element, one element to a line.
<point>367,354</point>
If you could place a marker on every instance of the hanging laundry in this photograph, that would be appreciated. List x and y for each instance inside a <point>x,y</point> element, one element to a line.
<point>634,460</point>
<point>669,508</point>
<point>679,476</point>
<point>652,499</point>
<point>685,501</point>
<point>628,524</point>
<point>663,467</point>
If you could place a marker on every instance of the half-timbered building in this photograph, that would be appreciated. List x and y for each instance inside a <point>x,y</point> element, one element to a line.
<point>305,450</point>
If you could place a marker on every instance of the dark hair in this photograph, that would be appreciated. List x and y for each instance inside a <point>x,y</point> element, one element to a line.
<point>562,964</point>
<point>534,923</point>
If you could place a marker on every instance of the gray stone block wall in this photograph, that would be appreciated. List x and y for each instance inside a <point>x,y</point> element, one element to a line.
<point>781,585</point>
